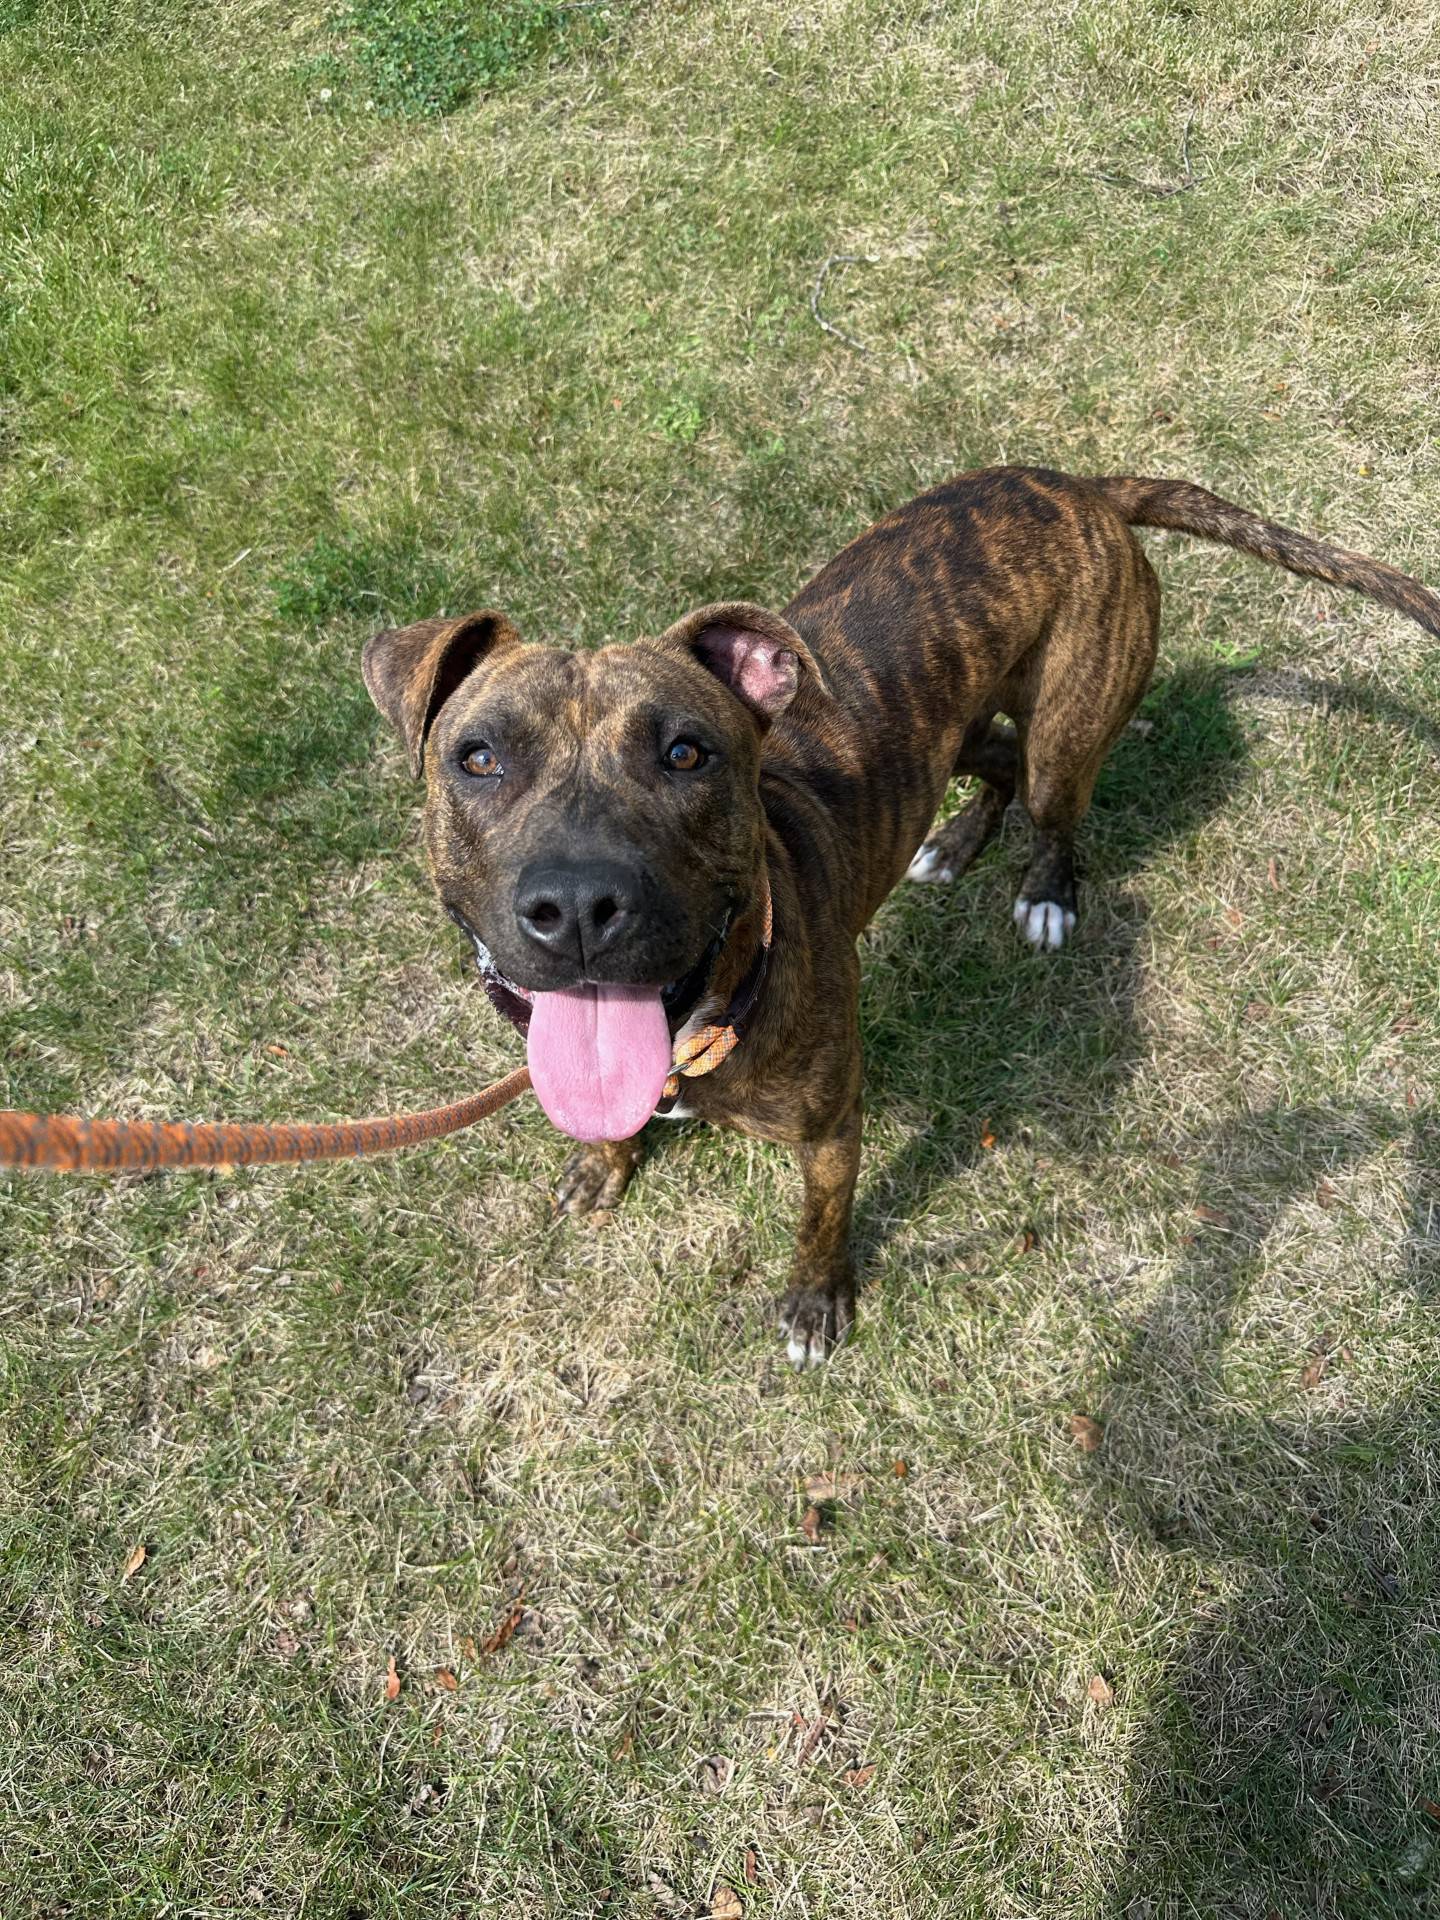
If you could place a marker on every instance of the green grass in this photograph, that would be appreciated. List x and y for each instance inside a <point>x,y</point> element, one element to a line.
<point>430,56</point>
<point>279,365</point>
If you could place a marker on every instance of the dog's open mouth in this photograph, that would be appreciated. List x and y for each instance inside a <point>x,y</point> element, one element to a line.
<point>599,1053</point>
<point>678,997</point>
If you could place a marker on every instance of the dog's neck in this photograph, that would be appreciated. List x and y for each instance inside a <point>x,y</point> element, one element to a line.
<point>722,1020</point>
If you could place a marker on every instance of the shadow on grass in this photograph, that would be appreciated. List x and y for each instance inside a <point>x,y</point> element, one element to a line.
<point>1286,1766</point>
<point>998,1034</point>
<point>1368,701</point>
<point>1286,1769</point>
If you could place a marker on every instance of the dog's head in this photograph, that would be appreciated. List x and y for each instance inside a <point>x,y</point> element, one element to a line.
<point>593,823</point>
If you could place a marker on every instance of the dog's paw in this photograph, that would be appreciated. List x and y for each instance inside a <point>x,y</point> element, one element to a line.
<point>1044,923</point>
<point>931,863</point>
<point>951,849</point>
<point>815,1320</point>
<point>595,1177</point>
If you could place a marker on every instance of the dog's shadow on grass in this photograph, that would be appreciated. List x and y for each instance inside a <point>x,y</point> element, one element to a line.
<point>1286,1760</point>
<point>969,1028</point>
<point>1295,1742</point>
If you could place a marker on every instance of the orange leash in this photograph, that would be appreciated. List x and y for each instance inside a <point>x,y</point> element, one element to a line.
<point>63,1143</point>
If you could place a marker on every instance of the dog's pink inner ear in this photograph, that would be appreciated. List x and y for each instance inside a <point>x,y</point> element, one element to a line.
<point>763,672</point>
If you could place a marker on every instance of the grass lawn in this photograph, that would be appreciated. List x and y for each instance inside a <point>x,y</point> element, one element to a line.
<point>288,353</point>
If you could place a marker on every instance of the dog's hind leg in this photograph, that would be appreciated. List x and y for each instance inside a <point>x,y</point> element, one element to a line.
<point>1072,700</point>
<point>988,753</point>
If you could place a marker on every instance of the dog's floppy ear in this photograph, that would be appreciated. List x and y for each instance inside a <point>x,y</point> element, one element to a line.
<point>756,654</point>
<point>412,671</point>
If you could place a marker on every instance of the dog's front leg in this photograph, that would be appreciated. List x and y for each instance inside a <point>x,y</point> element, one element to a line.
<point>816,1313</point>
<point>594,1178</point>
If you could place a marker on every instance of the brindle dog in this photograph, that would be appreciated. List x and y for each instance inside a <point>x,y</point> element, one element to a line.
<point>603,824</point>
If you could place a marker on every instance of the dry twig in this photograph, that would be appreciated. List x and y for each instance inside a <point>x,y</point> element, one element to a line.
<point>837,260</point>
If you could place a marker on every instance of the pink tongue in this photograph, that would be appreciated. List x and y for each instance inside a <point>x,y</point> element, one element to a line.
<point>599,1057</point>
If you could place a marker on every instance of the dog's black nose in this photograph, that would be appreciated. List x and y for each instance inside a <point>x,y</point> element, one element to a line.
<point>577,909</point>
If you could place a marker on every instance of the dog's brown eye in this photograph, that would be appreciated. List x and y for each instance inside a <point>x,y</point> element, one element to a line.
<point>684,756</point>
<point>480,761</point>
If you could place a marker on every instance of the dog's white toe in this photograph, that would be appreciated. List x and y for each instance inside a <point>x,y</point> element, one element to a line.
<point>1044,923</point>
<point>929,864</point>
<point>797,1352</point>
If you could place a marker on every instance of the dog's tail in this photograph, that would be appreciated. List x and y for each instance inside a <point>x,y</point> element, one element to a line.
<point>1186,509</point>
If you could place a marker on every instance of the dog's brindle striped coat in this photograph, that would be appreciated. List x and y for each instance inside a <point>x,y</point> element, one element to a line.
<point>833,730</point>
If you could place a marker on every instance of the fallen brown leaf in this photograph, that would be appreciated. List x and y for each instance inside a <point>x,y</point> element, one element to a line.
<point>1085,1432</point>
<point>1326,1193</point>
<point>502,1635</point>
<point>1100,1690</point>
<point>1431,1807</point>
<point>859,1776</point>
<point>135,1562</point>
<point>664,1895</point>
<point>752,1867</point>
<point>726,1904</point>
<point>1029,1240</point>
<point>987,1139</point>
<point>1314,1373</point>
<point>1234,917</point>
<point>1273,874</point>
<point>392,1679</point>
<point>813,1737</point>
<point>1320,1713</point>
<point>1212,1216</point>
<point>447,1679</point>
<point>467,1647</point>
<point>829,1486</point>
<point>900,1469</point>
<point>811,1523</point>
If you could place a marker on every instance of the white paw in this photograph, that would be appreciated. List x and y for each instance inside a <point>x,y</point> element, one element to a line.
<point>811,1340</point>
<point>805,1352</point>
<point>1043,923</point>
<point>929,864</point>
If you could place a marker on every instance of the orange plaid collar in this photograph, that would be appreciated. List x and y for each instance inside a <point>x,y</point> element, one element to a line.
<point>711,1046</point>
